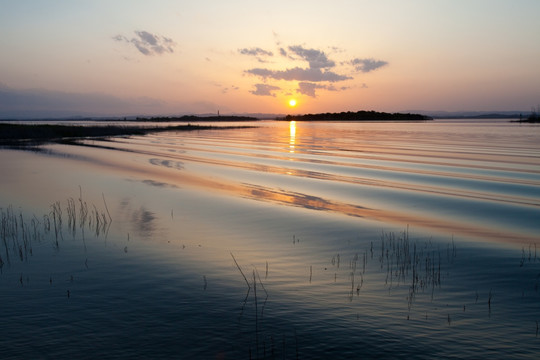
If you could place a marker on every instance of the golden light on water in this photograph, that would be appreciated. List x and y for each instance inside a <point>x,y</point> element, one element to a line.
<point>292,136</point>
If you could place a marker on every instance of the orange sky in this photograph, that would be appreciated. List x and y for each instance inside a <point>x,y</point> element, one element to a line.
<point>172,57</point>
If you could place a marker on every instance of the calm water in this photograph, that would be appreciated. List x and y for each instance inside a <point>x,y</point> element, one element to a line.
<point>289,240</point>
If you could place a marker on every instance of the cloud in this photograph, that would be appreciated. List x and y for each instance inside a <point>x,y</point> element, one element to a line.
<point>276,38</point>
<point>316,58</point>
<point>367,65</point>
<point>264,90</point>
<point>299,74</point>
<point>320,72</point>
<point>255,52</point>
<point>148,43</point>
<point>120,38</point>
<point>225,89</point>
<point>307,88</point>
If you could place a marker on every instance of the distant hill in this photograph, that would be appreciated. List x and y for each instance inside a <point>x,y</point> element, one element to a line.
<point>359,116</point>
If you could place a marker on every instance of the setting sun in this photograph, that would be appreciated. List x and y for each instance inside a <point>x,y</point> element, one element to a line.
<point>292,102</point>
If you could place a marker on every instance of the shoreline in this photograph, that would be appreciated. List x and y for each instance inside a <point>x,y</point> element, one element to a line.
<point>34,134</point>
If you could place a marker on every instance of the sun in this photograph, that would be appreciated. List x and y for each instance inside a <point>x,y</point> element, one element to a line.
<point>292,102</point>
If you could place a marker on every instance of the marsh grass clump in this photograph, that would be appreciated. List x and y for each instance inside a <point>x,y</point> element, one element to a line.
<point>18,233</point>
<point>529,255</point>
<point>414,265</point>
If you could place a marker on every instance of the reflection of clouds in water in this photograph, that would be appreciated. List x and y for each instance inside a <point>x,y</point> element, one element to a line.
<point>304,200</point>
<point>167,163</point>
<point>124,203</point>
<point>178,151</point>
<point>143,220</point>
<point>157,184</point>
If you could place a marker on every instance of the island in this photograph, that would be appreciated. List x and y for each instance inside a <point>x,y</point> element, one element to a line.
<point>358,116</point>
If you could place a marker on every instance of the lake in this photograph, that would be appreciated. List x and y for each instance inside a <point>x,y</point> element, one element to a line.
<point>309,240</point>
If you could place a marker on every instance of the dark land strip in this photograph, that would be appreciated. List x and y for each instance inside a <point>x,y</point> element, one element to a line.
<point>33,134</point>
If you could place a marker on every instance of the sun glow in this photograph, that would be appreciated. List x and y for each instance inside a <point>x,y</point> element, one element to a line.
<point>292,102</point>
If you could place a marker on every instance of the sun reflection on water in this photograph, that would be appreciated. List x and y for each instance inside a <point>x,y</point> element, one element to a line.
<point>292,136</point>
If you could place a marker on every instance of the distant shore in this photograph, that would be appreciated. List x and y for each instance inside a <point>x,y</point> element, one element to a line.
<point>194,118</point>
<point>531,119</point>
<point>32,134</point>
<point>20,134</point>
<point>359,116</point>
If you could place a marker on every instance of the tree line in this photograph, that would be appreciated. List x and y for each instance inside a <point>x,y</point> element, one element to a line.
<point>359,116</point>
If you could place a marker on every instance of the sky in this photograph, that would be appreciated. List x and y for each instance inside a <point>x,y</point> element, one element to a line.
<point>131,57</point>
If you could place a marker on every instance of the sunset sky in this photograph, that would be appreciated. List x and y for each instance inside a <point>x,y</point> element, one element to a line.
<point>128,57</point>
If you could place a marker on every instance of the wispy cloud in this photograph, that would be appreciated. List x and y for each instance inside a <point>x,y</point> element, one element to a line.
<point>255,51</point>
<point>260,54</point>
<point>148,44</point>
<point>265,90</point>
<point>367,65</point>
<point>226,89</point>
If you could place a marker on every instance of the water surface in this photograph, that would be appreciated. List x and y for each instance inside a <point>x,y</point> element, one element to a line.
<point>289,240</point>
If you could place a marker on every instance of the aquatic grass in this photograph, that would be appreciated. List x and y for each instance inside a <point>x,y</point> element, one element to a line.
<point>264,289</point>
<point>352,286</point>
<point>256,315</point>
<point>106,208</point>
<point>255,277</point>
<point>489,301</point>
<point>292,268</point>
<point>72,216</point>
<point>528,255</point>
<point>17,233</point>
<point>335,260</point>
<point>413,266</point>
<point>241,272</point>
